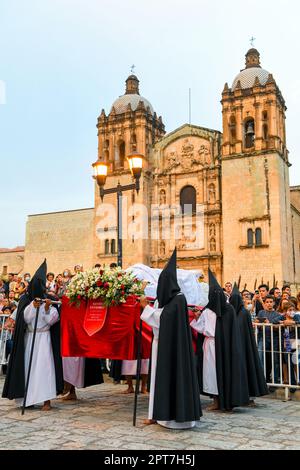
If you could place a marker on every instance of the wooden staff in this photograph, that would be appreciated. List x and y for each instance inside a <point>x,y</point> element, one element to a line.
<point>30,359</point>
<point>138,371</point>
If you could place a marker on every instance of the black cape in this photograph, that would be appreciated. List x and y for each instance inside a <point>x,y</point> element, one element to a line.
<point>230,368</point>
<point>256,382</point>
<point>92,372</point>
<point>176,395</point>
<point>14,386</point>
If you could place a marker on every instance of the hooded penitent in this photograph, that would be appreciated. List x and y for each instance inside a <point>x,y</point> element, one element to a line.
<point>176,395</point>
<point>255,376</point>
<point>14,385</point>
<point>230,368</point>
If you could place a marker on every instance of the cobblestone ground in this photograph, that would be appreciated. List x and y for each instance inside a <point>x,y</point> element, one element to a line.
<point>102,419</point>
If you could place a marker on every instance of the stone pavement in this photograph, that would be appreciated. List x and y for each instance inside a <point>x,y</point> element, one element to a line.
<point>102,419</point>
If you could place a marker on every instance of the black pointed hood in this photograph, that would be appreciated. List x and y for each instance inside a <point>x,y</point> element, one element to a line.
<point>168,286</point>
<point>216,296</point>
<point>236,298</point>
<point>37,285</point>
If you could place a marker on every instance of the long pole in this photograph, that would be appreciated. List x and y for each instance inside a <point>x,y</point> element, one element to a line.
<point>30,359</point>
<point>119,202</point>
<point>138,371</point>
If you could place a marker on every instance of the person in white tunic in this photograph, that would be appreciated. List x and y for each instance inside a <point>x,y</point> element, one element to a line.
<point>129,369</point>
<point>206,325</point>
<point>42,382</point>
<point>73,370</point>
<point>80,372</point>
<point>174,391</point>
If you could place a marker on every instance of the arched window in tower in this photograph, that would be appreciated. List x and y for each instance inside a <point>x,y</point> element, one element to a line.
<point>162,196</point>
<point>133,142</point>
<point>249,133</point>
<point>106,247</point>
<point>113,246</point>
<point>265,132</point>
<point>188,199</point>
<point>122,154</point>
<point>232,129</point>
<point>265,115</point>
<point>106,150</point>
<point>258,236</point>
<point>211,193</point>
<point>250,237</point>
<point>162,248</point>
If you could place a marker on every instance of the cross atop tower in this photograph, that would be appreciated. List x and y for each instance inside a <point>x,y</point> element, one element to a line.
<point>252,39</point>
<point>132,68</point>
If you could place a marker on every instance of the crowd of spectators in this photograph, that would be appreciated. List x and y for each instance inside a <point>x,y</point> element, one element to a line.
<point>266,306</point>
<point>279,346</point>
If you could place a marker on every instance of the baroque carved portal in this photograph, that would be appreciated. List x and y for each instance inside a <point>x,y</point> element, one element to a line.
<point>188,158</point>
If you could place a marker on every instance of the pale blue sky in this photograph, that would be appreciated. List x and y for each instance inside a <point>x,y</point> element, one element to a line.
<point>64,60</point>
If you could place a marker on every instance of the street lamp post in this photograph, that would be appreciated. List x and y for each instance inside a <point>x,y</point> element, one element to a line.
<point>135,161</point>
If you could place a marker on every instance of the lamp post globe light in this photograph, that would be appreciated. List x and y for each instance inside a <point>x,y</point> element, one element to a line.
<point>135,161</point>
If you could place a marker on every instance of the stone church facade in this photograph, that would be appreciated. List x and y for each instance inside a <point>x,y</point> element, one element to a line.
<point>237,180</point>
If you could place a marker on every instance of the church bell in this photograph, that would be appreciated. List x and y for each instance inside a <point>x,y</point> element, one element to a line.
<point>250,129</point>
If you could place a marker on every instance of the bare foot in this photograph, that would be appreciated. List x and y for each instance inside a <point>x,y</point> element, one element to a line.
<point>212,407</point>
<point>69,397</point>
<point>148,422</point>
<point>144,391</point>
<point>46,407</point>
<point>129,390</point>
<point>251,404</point>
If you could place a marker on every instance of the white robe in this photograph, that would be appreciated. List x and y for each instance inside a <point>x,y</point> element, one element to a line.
<point>42,382</point>
<point>206,324</point>
<point>74,370</point>
<point>129,367</point>
<point>151,315</point>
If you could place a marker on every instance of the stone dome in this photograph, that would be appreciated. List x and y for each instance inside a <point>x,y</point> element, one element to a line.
<point>123,101</point>
<point>248,75</point>
<point>132,96</point>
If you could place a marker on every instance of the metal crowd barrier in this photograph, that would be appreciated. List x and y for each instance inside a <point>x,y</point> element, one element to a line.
<point>279,352</point>
<point>5,335</point>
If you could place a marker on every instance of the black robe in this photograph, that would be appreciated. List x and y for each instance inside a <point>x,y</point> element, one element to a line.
<point>92,372</point>
<point>256,381</point>
<point>176,395</point>
<point>116,370</point>
<point>14,386</point>
<point>230,366</point>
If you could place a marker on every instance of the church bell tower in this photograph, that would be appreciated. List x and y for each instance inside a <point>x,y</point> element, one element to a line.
<point>131,125</point>
<point>255,178</point>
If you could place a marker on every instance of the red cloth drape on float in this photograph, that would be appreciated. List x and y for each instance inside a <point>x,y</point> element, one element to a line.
<point>90,329</point>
